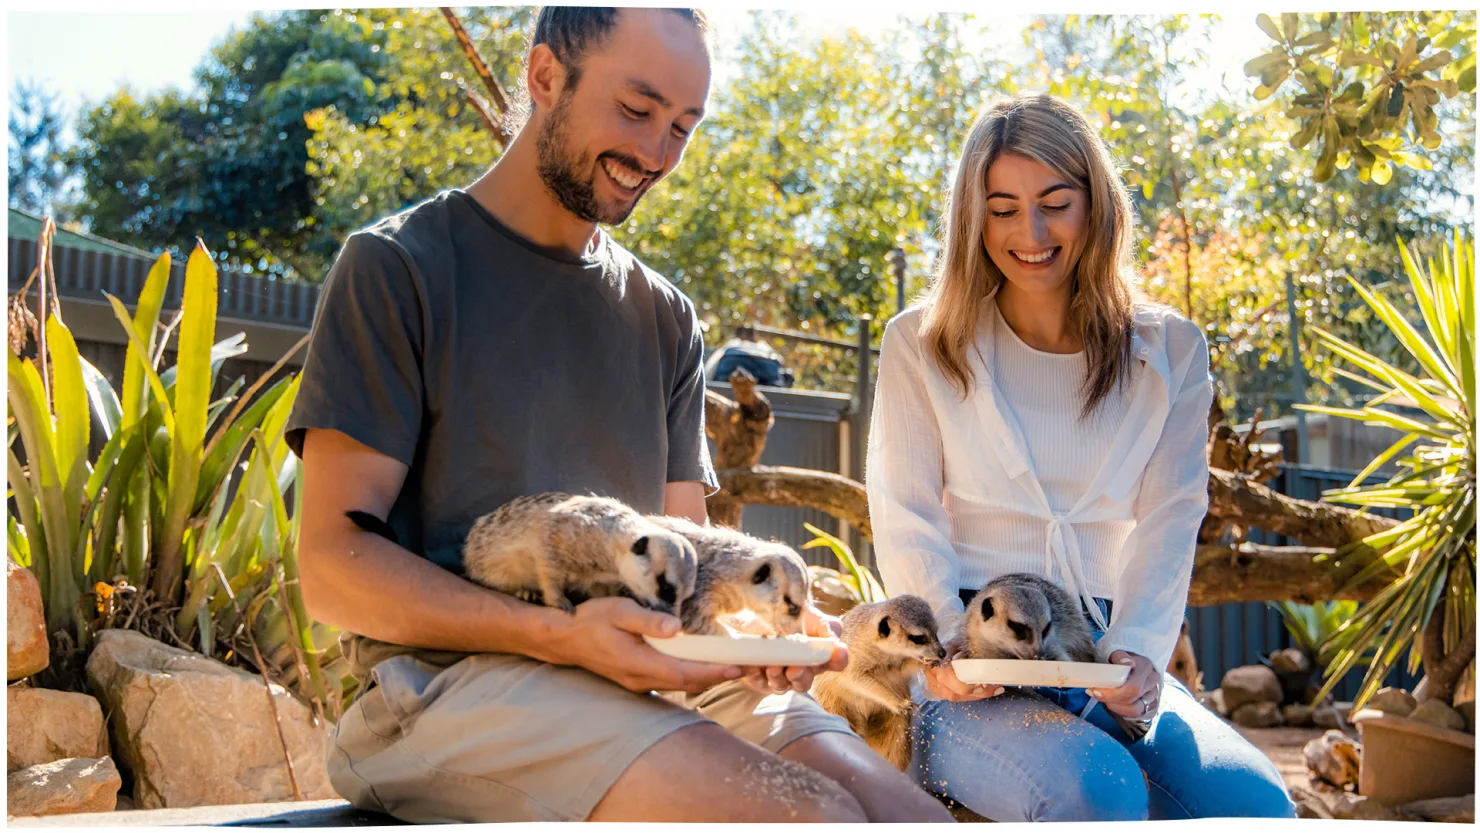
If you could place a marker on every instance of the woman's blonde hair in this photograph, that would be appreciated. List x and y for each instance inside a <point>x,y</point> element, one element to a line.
<point>1049,131</point>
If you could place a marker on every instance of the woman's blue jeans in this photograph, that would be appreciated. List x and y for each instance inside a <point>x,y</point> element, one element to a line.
<point>1027,755</point>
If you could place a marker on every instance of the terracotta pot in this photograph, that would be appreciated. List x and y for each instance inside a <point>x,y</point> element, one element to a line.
<point>1404,760</point>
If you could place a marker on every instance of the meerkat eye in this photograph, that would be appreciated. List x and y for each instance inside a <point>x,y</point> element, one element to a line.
<point>1046,629</point>
<point>640,546</point>
<point>1020,630</point>
<point>884,627</point>
<point>761,575</point>
<point>917,639</point>
<point>792,608</point>
<point>666,591</point>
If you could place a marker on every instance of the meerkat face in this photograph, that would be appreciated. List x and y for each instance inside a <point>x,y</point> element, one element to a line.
<point>1016,621</point>
<point>778,590</point>
<point>911,634</point>
<point>659,568</point>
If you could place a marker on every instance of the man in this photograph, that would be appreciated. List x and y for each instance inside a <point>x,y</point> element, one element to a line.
<point>495,342</point>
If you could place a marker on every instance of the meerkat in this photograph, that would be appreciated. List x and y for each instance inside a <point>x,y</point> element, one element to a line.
<point>737,573</point>
<point>888,642</point>
<point>1023,616</point>
<point>560,549</point>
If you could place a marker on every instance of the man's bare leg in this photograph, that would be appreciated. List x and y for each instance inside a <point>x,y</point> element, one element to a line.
<point>702,773</point>
<point>885,793</point>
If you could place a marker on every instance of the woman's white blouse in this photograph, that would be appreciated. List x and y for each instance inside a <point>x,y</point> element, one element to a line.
<point>955,501</point>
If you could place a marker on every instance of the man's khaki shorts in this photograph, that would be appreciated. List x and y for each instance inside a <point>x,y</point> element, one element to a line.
<point>499,737</point>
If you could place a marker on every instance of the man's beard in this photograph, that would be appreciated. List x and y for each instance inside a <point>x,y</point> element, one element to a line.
<point>562,170</point>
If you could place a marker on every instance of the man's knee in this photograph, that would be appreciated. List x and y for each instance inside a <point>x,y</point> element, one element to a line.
<point>799,793</point>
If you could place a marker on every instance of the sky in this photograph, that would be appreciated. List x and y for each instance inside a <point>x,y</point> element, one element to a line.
<point>87,51</point>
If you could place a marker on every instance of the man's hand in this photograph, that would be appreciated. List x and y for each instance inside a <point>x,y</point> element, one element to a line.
<point>777,679</point>
<point>1140,695</point>
<point>943,682</point>
<point>605,637</point>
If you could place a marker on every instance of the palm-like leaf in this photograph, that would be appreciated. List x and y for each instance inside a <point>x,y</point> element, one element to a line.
<point>1433,551</point>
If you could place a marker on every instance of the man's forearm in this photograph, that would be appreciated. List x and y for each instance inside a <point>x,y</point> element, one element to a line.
<point>368,585</point>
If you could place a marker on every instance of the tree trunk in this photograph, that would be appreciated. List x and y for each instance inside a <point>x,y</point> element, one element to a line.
<point>834,494</point>
<point>1444,670</point>
<point>739,431</point>
<point>1222,574</point>
<point>1248,504</point>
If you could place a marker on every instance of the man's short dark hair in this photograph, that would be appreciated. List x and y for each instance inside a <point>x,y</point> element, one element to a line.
<point>571,31</point>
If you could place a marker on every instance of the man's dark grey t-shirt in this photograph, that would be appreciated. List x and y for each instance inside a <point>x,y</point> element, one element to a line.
<point>495,368</point>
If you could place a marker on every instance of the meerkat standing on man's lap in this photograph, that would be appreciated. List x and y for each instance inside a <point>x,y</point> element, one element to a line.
<point>739,572</point>
<point>566,549</point>
<point>888,642</point>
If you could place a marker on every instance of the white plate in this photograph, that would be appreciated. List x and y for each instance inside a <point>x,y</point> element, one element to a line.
<point>1025,672</point>
<point>747,650</point>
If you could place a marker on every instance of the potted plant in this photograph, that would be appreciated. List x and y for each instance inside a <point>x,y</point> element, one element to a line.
<point>1429,607</point>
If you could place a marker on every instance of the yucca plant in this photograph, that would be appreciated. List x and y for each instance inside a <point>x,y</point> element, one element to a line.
<point>186,498</point>
<point>856,579</point>
<point>1429,609</point>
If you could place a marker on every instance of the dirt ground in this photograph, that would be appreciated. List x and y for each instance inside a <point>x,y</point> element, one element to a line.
<point>1285,747</point>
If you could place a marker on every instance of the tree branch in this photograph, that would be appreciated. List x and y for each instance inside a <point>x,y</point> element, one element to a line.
<point>839,496</point>
<point>1222,574</point>
<point>496,94</point>
<point>1251,505</point>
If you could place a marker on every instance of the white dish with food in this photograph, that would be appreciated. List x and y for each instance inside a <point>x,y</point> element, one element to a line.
<point>743,649</point>
<point>1027,672</point>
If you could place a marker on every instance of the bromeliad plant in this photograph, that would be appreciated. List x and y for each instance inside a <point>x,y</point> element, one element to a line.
<point>179,526</point>
<point>856,580</point>
<point>1430,607</point>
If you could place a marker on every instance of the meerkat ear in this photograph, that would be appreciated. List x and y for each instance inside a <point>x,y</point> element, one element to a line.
<point>884,627</point>
<point>640,546</point>
<point>987,611</point>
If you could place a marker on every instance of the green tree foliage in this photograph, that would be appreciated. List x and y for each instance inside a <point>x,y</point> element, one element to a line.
<point>39,170</point>
<point>1368,86</point>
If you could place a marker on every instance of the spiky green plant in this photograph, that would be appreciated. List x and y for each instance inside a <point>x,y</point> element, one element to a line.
<point>1311,625</point>
<point>1429,608</point>
<point>859,579</point>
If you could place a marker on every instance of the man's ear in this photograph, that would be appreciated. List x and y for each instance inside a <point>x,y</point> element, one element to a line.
<point>544,77</point>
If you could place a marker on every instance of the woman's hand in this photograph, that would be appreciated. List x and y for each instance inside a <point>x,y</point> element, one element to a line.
<point>779,679</point>
<point>943,682</point>
<point>1140,695</point>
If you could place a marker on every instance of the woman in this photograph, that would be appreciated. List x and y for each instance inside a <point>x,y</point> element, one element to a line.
<point>1032,417</point>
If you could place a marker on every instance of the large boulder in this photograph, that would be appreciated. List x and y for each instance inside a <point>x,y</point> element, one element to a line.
<point>1331,715</point>
<point>42,726</point>
<point>1250,684</point>
<point>1298,714</point>
<point>74,785</point>
<point>26,651</point>
<point>195,732</point>
<point>1258,715</point>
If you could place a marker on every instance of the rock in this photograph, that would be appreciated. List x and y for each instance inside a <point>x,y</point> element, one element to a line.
<point>1467,711</point>
<point>1367,809</point>
<point>1344,805</point>
<point>1331,715</point>
<point>1213,701</point>
<point>1393,701</point>
<point>1258,715</point>
<point>1438,713</point>
<point>164,705</point>
<point>26,651</point>
<point>1289,661</point>
<point>1334,758</point>
<point>124,803</point>
<point>1250,684</point>
<point>1297,714</point>
<point>42,726</point>
<point>74,785</point>
<point>1454,810</point>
